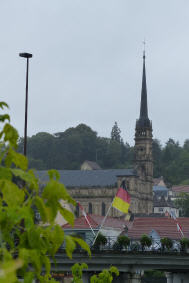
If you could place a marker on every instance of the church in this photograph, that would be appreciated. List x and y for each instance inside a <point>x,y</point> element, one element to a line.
<point>95,189</point>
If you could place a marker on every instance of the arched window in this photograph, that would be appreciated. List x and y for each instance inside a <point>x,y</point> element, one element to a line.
<point>90,208</point>
<point>77,210</point>
<point>103,209</point>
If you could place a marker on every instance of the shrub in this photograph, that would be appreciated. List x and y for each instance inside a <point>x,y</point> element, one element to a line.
<point>122,242</point>
<point>166,243</point>
<point>184,243</point>
<point>100,240</point>
<point>145,241</point>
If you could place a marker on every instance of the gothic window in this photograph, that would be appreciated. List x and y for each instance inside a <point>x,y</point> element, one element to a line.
<point>103,209</point>
<point>90,208</point>
<point>77,210</point>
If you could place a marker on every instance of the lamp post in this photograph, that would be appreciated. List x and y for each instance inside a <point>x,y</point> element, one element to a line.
<point>27,56</point>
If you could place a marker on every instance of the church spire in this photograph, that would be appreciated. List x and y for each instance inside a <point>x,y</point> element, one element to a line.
<point>143,104</point>
<point>143,120</point>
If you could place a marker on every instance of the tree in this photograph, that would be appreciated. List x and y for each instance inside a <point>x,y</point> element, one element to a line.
<point>186,145</point>
<point>113,154</point>
<point>40,147</point>
<point>183,204</point>
<point>25,246</point>
<point>171,151</point>
<point>116,133</point>
<point>157,156</point>
<point>170,157</point>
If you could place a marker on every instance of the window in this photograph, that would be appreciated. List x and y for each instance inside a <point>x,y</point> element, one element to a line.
<point>77,210</point>
<point>160,209</point>
<point>90,208</point>
<point>103,209</point>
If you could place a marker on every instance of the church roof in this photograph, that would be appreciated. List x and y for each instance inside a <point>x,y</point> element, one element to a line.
<point>89,178</point>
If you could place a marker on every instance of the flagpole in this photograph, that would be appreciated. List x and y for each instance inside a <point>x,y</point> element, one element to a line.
<point>86,218</point>
<point>90,225</point>
<point>102,223</point>
<point>172,214</point>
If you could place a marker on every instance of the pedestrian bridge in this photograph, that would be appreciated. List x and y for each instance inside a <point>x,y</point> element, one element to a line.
<point>130,264</point>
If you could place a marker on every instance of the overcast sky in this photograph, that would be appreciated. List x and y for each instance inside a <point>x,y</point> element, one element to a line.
<point>87,64</point>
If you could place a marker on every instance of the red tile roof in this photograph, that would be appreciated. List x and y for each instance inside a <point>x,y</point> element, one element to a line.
<point>164,226</point>
<point>96,220</point>
<point>181,189</point>
<point>112,222</point>
<point>81,223</point>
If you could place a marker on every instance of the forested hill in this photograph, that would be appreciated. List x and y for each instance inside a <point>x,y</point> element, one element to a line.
<point>69,149</point>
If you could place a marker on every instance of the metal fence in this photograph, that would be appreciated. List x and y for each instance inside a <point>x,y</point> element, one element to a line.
<point>134,246</point>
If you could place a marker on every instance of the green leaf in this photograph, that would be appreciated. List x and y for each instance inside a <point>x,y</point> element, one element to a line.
<point>8,271</point>
<point>77,271</point>
<point>4,117</point>
<point>16,158</point>
<point>70,246</point>
<point>28,177</point>
<point>31,257</point>
<point>35,239</point>
<point>67,215</point>
<point>42,209</point>
<point>10,135</point>
<point>53,174</point>
<point>5,173</point>
<point>83,244</point>
<point>57,191</point>
<point>47,264</point>
<point>3,105</point>
<point>12,195</point>
<point>28,277</point>
<point>114,270</point>
<point>27,214</point>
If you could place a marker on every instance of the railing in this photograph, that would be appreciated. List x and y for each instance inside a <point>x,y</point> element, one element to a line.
<point>134,246</point>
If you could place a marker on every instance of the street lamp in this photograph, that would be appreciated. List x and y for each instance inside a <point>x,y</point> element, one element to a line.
<point>27,56</point>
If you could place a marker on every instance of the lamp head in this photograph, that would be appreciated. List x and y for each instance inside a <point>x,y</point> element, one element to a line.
<point>25,55</point>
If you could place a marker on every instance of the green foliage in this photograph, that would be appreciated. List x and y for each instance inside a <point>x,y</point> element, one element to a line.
<point>69,149</point>
<point>185,182</point>
<point>145,241</point>
<point>183,204</point>
<point>122,242</point>
<point>116,133</point>
<point>154,274</point>
<point>26,245</point>
<point>184,243</point>
<point>100,240</point>
<point>166,243</point>
<point>106,276</point>
<point>77,272</point>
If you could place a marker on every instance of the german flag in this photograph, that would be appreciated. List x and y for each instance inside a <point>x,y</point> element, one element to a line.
<point>122,199</point>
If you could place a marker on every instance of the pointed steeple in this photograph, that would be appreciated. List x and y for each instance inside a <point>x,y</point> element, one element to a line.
<point>143,120</point>
<point>143,104</point>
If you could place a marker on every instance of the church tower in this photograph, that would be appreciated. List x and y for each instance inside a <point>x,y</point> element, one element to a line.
<point>143,147</point>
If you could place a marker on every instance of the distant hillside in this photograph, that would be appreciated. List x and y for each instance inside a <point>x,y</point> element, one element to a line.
<point>68,150</point>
